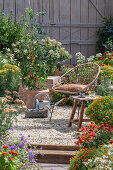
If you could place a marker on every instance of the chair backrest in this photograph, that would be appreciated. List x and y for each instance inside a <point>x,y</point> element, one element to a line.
<point>85,74</point>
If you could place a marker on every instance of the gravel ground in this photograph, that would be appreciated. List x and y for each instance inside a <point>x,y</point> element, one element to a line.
<point>42,131</point>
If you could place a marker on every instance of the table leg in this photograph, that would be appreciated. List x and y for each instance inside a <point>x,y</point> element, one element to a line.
<point>73,113</point>
<point>81,115</point>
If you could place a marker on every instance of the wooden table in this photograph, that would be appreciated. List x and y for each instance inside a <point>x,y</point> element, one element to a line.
<point>80,119</point>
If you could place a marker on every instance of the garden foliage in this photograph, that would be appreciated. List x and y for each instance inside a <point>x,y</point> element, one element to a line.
<point>94,154</point>
<point>101,110</point>
<point>15,154</point>
<point>105,36</point>
<point>9,112</point>
<point>10,30</point>
<point>36,55</point>
<point>9,78</point>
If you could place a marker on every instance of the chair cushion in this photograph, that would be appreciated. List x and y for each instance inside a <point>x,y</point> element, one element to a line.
<point>71,87</point>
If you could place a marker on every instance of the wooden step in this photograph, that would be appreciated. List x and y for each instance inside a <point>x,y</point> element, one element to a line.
<point>55,147</point>
<point>54,153</point>
<point>54,156</point>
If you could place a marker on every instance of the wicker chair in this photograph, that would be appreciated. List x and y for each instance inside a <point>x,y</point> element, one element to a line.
<point>84,74</point>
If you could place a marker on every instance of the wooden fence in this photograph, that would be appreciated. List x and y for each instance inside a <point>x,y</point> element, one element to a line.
<point>73,22</point>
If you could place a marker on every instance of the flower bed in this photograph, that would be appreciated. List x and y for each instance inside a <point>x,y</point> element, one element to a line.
<point>96,141</point>
<point>14,153</point>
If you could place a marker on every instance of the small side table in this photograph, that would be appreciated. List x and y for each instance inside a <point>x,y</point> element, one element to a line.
<point>80,120</point>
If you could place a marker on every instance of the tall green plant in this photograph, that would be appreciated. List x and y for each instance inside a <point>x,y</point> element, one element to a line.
<point>10,30</point>
<point>105,35</point>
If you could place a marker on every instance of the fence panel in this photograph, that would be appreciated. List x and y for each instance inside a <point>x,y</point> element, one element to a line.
<point>73,22</point>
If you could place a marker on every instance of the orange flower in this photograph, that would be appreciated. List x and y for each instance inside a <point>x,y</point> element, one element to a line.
<point>6,146</point>
<point>13,152</point>
<point>11,159</point>
<point>5,153</point>
<point>105,53</point>
<point>33,58</point>
<point>37,78</point>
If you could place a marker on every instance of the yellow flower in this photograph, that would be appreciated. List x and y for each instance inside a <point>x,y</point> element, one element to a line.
<point>89,92</point>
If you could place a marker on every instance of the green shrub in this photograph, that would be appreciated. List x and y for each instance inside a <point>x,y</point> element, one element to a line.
<point>10,30</point>
<point>9,78</point>
<point>58,96</point>
<point>105,36</point>
<point>8,113</point>
<point>101,110</point>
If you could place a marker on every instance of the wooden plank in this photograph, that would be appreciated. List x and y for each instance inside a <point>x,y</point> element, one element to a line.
<point>101,8</point>
<point>75,32</point>
<point>92,31</point>
<point>56,30</point>
<point>109,8</point>
<point>1,4</point>
<point>83,25</point>
<point>51,11</point>
<point>56,12</point>
<point>39,8</point>
<point>9,5</point>
<point>84,31</point>
<point>46,9</point>
<point>55,147</point>
<point>19,9</point>
<point>65,19</point>
<point>54,156</point>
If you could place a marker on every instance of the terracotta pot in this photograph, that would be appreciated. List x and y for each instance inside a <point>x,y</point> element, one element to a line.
<point>29,96</point>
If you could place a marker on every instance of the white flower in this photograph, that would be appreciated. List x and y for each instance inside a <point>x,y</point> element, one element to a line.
<point>4,61</point>
<point>78,54</point>
<point>51,52</point>
<point>16,50</point>
<point>8,49</point>
<point>25,51</point>
<point>90,59</point>
<point>34,42</point>
<point>99,55</point>
<point>14,45</point>
<point>17,43</point>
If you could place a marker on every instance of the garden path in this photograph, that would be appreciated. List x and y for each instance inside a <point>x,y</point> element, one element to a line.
<point>42,131</point>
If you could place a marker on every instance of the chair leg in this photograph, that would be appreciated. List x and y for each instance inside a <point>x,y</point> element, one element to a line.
<point>73,113</point>
<point>81,115</point>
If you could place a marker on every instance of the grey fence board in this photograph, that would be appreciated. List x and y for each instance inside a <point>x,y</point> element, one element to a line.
<point>73,22</point>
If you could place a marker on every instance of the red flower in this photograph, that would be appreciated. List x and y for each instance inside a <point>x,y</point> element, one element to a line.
<point>13,152</point>
<point>111,141</point>
<point>11,159</point>
<point>109,57</point>
<point>101,58</point>
<point>6,146</point>
<point>31,75</point>
<point>5,153</point>
<point>105,53</point>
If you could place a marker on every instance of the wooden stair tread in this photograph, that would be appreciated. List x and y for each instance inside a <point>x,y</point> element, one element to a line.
<point>56,152</point>
<point>56,147</point>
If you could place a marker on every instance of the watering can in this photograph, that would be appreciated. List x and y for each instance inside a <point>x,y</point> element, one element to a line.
<point>41,104</point>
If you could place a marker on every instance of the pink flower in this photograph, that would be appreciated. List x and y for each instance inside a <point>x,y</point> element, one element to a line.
<point>9,97</point>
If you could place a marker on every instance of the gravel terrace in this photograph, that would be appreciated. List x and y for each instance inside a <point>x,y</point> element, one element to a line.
<point>42,131</point>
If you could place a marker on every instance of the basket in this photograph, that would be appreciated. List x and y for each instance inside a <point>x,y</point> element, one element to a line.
<point>32,113</point>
